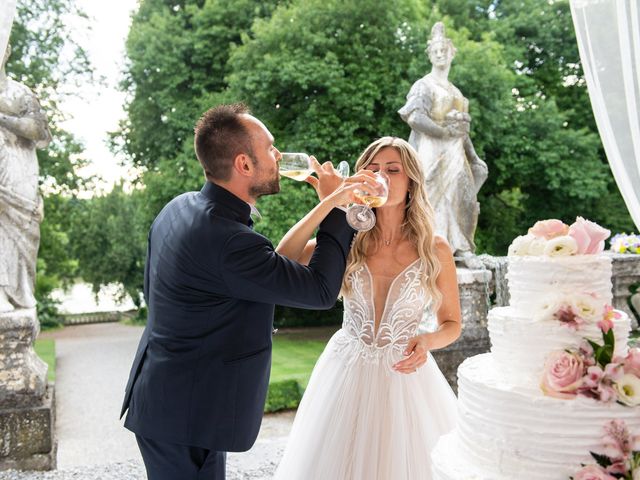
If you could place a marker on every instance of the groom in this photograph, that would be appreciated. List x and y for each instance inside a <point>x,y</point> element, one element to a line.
<point>199,380</point>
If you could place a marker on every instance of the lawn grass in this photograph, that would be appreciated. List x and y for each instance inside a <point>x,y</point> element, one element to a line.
<point>46,350</point>
<point>296,351</point>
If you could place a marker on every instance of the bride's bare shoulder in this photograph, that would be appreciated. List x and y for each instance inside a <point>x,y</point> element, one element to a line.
<point>440,243</point>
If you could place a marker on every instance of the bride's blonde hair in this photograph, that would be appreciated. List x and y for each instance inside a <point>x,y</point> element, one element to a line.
<point>418,221</point>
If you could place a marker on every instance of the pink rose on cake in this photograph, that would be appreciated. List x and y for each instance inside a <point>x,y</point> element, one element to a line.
<point>593,472</point>
<point>562,376</point>
<point>589,236</point>
<point>549,229</point>
<point>593,371</point>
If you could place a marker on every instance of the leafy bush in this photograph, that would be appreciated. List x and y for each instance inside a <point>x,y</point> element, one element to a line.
<point>48,314</point>
<point>283,395</point>
<point>297,317</point>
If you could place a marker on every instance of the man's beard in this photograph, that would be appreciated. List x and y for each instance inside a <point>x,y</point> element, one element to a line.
<point>267,187</point>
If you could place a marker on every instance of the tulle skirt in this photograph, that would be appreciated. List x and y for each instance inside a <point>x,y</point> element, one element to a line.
<point>360,420</point>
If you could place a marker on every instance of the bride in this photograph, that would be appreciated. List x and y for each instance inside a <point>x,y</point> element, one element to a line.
<point>376,402</point>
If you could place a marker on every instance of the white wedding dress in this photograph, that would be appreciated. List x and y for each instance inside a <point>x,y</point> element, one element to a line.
<point>359,419</point>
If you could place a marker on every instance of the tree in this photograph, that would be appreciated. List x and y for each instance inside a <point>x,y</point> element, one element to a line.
<point>326,77</point>
<point>178,63</point>
<point>43,57</point>
<point>171,87</point>
<point>109,241</point>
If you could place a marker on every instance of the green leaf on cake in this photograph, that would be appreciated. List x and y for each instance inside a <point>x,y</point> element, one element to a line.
<point>606,354</point>
<point>602,460</point>
<point>603,354</point>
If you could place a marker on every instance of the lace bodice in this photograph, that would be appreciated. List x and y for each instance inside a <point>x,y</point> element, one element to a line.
<point>403,311</point>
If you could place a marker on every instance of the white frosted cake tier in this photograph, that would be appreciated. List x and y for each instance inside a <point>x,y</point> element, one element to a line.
<point>533,279</point>
<point>510,432</point>
<point>448,463</point>
<point>520,344</point>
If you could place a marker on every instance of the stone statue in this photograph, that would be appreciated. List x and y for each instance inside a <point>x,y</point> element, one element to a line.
<point>438,116</point>
<point>23,128</point>
<point>27,411</point>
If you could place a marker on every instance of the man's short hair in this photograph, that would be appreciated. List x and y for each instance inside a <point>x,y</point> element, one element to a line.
<point>221,135</point>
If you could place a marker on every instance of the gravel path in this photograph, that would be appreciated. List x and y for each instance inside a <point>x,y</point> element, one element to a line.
<point>92,369</point>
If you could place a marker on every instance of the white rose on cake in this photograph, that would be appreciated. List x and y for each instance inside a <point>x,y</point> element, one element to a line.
<point>563,246</point>
<point>549,306</point>
<point>628,388</point>
<point>537,246</point>
<point>520,245</point>
<point>588,307</point>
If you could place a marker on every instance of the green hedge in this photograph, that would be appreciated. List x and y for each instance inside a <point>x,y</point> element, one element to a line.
<point>297,317</point>
<point>284,317</point>
<point>283,395</point>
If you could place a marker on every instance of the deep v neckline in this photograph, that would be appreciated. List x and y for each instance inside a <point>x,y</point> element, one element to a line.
<point>376,329</point>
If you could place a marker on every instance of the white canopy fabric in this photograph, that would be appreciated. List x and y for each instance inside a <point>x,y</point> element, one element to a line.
<point>608,34</point>
<point>7,12</point>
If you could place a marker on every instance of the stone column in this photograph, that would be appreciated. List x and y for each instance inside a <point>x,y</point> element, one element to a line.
<point>27,409</point>
<point>475,291</point>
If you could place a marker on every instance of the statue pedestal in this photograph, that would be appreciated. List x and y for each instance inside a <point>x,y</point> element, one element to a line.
<point>626,272</point>
<point>27,407</point>
<point>474,287</point>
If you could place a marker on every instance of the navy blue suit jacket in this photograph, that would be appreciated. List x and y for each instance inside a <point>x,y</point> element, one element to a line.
<point>201,372</point>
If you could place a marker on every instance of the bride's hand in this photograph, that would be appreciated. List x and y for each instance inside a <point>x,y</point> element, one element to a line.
<point>330,183</point>
<point>346,193</point>
<point>417,350</point>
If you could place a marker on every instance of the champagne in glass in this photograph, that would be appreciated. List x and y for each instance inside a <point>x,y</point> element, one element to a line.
<point>296,166</point>
<point>361,217</point>
<point>372,201</point>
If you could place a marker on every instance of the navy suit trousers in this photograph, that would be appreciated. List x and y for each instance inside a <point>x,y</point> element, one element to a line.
<point>170,461</point>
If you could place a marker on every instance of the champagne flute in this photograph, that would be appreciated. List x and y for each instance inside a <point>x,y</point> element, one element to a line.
<point>343,169</point>
<point>361,217</point>
<point>296,166</point>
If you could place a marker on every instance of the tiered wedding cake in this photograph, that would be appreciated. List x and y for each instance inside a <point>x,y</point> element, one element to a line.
<point>553,389</point>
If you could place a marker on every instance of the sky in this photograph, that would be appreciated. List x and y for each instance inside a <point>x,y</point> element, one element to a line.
<point>99,108</point>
